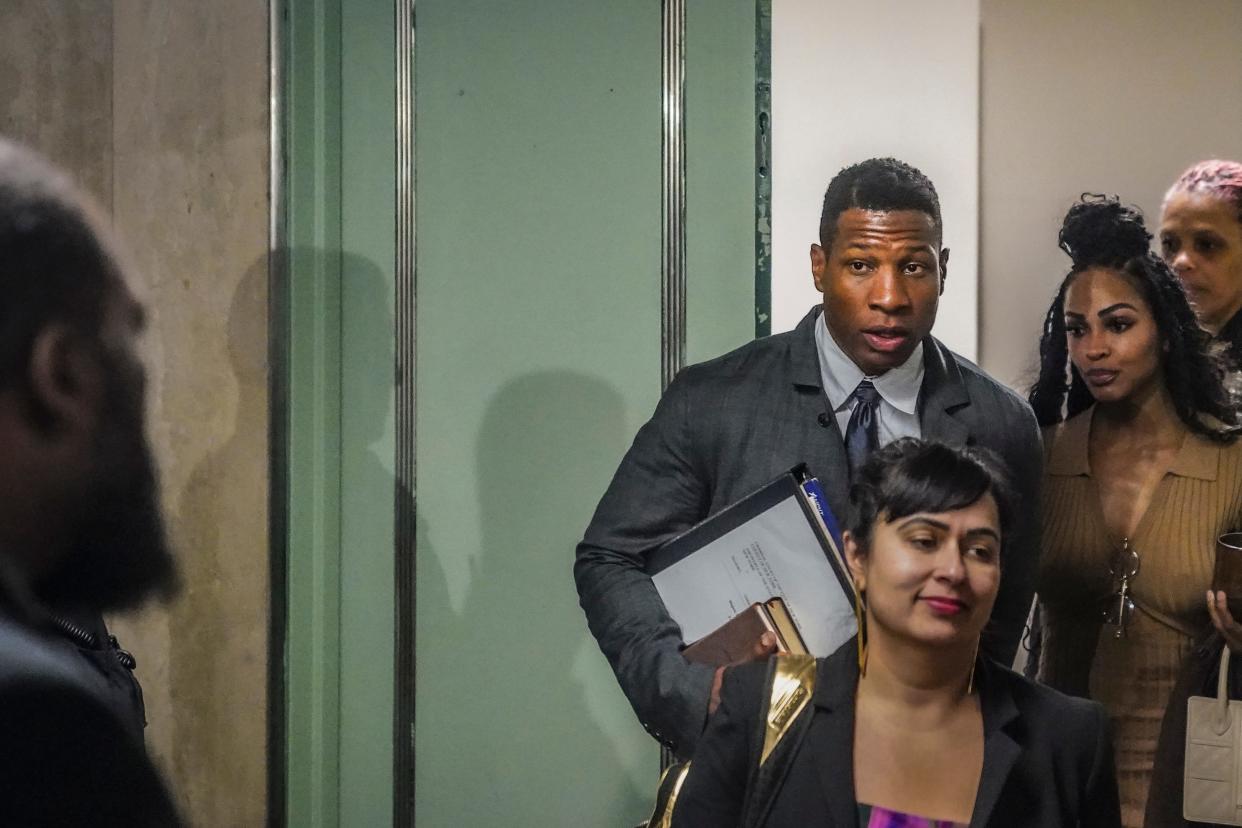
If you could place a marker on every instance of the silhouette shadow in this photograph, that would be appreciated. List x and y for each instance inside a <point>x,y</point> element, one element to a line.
<point>515,740</point>
<point>218,661</point>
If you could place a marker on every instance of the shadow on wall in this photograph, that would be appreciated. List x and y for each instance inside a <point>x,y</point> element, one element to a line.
<point>218,626</point>
<point>504,728</point>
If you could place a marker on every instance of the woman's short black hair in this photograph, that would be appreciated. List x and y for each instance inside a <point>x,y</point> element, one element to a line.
<point>909,476</point>
<point>1099,231</point>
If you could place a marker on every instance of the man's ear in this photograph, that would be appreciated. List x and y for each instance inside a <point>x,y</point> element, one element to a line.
<point>854,559</point>
<point>944,267</point>
<point>819,266</point>
<point>65,378</point>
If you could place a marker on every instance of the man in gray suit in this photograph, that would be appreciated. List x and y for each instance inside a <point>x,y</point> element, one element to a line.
<point>856,373</point>
<point>80,521</point>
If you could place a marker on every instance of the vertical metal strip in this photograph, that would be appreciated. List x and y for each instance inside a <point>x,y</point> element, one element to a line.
<point>763,167</point>
<point>278,419</point>
<point>405,537</point>
<point>673,180</point>
<point>673,207</point>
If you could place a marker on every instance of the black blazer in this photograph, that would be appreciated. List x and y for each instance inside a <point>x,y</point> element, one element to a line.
<point>1047,757</point>
<point>723,429</point>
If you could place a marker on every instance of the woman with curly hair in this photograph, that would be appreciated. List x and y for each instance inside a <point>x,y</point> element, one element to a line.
<point>1142,474</point>
<point>1201,239</point>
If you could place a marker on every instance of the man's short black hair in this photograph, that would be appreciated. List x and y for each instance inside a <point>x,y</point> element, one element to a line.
<point>909,476</point>
<point>55,262</point>
<point>883,184</point>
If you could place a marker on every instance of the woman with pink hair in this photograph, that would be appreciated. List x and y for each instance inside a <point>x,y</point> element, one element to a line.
<point>1201,239</point>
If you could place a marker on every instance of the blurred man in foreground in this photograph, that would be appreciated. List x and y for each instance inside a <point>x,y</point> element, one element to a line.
<point>80,524</point>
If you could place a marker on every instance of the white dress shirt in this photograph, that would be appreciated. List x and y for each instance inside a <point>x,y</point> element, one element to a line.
<point>898,411</point>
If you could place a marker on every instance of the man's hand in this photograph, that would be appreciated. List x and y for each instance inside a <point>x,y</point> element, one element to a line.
<point>764,647</point>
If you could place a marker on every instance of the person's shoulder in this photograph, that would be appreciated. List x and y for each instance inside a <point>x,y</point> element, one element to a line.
<point>1044,706</point>
<point>41,687</point>
<point>27,655</point>
<point>68,758</point>
<point>1056,432</point>
<point>754,358</point>
<point>986,390</point>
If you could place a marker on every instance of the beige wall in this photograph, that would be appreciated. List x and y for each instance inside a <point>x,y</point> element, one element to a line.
<point>1088,95</point>
<point>824,119</point>
<point>160,108</point>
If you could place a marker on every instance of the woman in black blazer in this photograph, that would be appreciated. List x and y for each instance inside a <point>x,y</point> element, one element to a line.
<point>912,727</point>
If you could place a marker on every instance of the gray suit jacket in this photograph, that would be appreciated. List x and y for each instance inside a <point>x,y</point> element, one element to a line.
<point>724,428</point>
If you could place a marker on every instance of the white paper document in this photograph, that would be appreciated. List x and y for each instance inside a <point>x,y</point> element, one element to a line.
<point>775,553</point>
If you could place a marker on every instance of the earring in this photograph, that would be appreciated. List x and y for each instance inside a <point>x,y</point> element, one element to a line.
<point>970,682</point>
<point>860,616</point>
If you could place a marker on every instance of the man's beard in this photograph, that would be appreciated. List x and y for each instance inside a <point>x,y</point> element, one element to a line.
<point>119,555</point>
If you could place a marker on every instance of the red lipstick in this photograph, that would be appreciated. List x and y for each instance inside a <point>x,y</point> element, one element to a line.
<point>945,606</point>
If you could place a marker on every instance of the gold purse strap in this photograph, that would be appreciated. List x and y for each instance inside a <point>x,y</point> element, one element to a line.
<point>793,682</point>
<point>666,795</point>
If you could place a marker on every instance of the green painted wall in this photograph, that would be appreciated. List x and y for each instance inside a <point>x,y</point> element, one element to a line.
<point>341,209</point>
<point>538,155</point>
<point>538,331</point>
<point>720,176</point>
<point>538,235</point>
<point>368,239</point>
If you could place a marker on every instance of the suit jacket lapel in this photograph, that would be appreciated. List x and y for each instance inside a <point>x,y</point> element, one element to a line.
<point>831,737</point>
<point>1000,749</point>
<point>826,456</point>
<point>944,403</point>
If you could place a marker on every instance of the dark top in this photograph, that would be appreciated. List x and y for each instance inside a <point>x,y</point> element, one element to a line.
<point>69,756</point>
<point>83,634</point>
<point>1231,335</point>
<point>1047,757</point>
<point>723,429</point>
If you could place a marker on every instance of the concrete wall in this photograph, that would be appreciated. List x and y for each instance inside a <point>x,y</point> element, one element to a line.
<point>160,109</point>
<point>1088,95</point>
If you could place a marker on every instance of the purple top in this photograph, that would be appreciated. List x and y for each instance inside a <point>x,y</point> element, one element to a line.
<point>873,816</point>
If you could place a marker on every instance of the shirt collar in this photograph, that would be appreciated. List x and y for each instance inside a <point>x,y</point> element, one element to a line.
<point>899,387</point>
<point>1198,457</point>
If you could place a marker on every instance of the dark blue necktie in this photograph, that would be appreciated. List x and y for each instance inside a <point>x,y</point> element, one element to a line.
<point>861,434</point>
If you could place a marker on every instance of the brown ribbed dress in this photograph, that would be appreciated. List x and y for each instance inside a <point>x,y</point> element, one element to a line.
<point>1199,499</point>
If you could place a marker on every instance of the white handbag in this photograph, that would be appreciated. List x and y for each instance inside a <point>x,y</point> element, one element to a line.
<point>1213,787</point>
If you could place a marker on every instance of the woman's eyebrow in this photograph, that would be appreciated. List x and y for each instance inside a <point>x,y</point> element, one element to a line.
<point>924,519</point>
<point>1116,307</point>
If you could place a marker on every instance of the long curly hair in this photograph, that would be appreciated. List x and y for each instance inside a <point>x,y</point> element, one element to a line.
<point>1099,231</point>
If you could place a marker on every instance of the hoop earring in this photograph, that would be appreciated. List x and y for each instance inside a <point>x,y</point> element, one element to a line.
<point>860,616</point>
<point>970,683</point>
